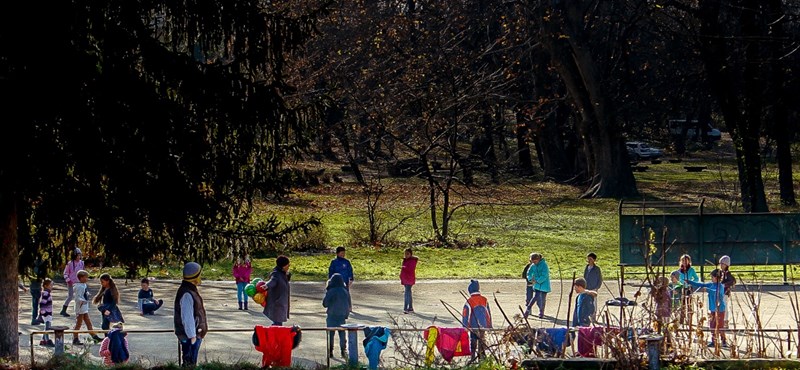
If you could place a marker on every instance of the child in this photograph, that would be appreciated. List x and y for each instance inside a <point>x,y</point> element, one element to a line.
<point>337,301</point>
<point>408,276</point>
<point>592,273</point>
<point>82,295</point>
<point>663,301</point>
<point>71,277</point>
<point>676,289</point>
<point>584,304</point>
<point>528,283</point>
<point>107,300</point>
<point>716,306</point>
<point>46,310</point>
<point>241,273</point>
<point>476,315</point>
<point>148,305</point>
<point>114,348</point>
<point>539,275</point>
<point>727,280</point>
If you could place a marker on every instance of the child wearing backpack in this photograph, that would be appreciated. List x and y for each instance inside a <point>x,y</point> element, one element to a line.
<point>114,348</point>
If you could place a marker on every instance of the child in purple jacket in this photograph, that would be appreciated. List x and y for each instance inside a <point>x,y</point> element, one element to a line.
<point>241,272</point>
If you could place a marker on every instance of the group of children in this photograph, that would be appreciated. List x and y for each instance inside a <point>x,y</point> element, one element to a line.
<point>106,301</point>
<point>671,297</point>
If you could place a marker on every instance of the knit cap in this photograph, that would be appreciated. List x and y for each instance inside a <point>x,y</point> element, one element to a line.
<point>474,286</point>
<point>725,260</point>
<point>191,271</point>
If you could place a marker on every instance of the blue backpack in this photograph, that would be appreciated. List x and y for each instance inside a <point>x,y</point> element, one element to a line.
<point>116,345</point>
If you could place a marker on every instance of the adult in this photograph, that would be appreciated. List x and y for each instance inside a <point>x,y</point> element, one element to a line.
<point>74,265</point>
<point>277,307</point>
<point>190,315</point>
<point>727,280</point>
<point>341,265</point>
<point>35,288</point>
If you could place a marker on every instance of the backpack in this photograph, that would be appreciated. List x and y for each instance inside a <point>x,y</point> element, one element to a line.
<point>116,345</point>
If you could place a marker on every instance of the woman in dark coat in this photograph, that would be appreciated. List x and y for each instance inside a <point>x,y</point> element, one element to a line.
<point>277,307</point>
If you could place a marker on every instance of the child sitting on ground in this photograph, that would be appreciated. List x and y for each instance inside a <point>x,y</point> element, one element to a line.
<point>114,348</point>
<point>584,304</point>
<point>148,305</point>
<point>716,306</point>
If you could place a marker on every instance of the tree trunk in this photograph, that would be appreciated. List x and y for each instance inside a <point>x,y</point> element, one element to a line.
<point>611,174</point>
<point>9,295</point>
<point>523,148</point>
<point>783,131</point>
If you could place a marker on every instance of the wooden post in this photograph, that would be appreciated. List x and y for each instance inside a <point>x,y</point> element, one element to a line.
<point>654,351</point>
<point>59,339</point>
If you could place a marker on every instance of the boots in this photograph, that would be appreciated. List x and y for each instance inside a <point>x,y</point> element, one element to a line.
<point>245,305</point>
<point>64,311</point>
<point>240,306</point>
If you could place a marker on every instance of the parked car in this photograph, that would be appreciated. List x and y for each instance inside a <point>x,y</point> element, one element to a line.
<point>676,126</point>
<point>640,150</point>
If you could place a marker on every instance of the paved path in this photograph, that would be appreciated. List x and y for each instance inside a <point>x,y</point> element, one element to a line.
<point>374,303</point>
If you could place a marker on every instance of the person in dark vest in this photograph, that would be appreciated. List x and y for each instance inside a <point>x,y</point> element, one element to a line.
<point>277,307</point>
<point>190,315</point>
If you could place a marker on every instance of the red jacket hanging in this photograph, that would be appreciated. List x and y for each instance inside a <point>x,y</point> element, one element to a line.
<point>276,343</point>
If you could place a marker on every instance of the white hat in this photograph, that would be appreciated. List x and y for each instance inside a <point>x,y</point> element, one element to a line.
<point>78,251</point>
<point>725,260</point>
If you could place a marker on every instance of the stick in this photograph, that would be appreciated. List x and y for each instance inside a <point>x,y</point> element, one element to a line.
<point>569,306</point>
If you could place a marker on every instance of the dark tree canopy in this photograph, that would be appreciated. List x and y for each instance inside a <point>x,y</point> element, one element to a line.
<point>148,125</point>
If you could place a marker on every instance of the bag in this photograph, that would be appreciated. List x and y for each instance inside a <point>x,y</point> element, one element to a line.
<point>116,346</point>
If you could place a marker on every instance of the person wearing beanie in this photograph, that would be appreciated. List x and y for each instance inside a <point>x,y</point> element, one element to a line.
<point>190,315</point>
<point>475,316</point>
<point>277,307</point>
<point>727,280</point>
<point>341,266</point>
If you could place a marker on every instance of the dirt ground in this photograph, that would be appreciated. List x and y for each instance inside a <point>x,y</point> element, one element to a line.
<point>374,303</point>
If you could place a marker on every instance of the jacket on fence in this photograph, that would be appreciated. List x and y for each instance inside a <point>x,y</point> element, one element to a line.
<point>276,343</point>
<point>375,340</point>
<point>337,298</point>
<point>450,342</point>
<point>539,273</point>
<point>408,271</point>
<point>114,347</point>
<point>277,307</point>
<point>189,314</point>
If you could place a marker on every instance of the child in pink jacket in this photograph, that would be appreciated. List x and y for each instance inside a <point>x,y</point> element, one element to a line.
<point>241,272</point>
<point>408,276</point>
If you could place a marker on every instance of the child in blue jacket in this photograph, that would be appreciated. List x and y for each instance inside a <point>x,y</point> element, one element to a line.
<point>337,301</point>
<point>539,275</point>
<point>716,306</point>
<point>476,315</point>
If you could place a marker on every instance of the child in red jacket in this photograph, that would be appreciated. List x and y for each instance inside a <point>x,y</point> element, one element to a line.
<point>408,276</point>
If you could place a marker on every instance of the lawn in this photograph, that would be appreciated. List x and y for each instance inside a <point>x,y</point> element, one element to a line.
<point>501,227</point>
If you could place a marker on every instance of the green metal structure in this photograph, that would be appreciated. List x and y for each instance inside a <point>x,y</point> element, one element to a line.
<point>660,232</point>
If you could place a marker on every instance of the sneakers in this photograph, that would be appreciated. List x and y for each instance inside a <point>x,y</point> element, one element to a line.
<point>42,342</point>
<point>64,311</point>
<point>77,342</point>
<point>96,339</point>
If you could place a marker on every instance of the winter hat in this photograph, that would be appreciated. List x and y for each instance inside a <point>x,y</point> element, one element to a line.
<point>725,260</point>
<point>191,271</point>
<point>474,287</point>
<point>78,251</point>
<point>282,261</point>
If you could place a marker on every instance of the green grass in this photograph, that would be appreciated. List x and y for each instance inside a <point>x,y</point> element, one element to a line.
<point>512,220</point>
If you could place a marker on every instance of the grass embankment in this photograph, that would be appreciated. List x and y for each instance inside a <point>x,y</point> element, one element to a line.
<point>501,225</point>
